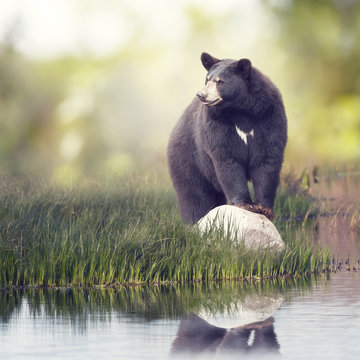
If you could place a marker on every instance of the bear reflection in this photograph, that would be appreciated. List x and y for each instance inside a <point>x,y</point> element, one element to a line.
<point>196,336</point>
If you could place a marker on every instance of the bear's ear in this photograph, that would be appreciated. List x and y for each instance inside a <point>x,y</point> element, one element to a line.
<point>243,67</point>
<point>208,61</point>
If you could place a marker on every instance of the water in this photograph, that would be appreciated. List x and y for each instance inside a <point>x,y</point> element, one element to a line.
<point>318,318</point>
<point>74,324</point>
<point>338,196</point>
<point>323,323</point>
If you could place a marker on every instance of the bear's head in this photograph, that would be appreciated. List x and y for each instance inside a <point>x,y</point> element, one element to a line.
<point>226,83</point>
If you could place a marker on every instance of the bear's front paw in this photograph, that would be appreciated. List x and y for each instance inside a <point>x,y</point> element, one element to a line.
<point>258,209</point>
<point>246,206</point>
<point>269,213</point>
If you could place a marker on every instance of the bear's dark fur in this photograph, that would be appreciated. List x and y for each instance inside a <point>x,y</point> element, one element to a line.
<point>235,130</point>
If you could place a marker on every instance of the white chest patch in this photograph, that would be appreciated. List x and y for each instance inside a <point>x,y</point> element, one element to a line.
<point>244,135</point>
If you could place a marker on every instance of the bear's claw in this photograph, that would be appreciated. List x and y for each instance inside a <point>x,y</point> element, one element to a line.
<point>258,209</point>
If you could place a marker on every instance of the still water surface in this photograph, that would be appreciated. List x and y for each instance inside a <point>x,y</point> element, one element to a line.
<point>317,318</point>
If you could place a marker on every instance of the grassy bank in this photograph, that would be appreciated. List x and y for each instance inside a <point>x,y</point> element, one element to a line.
<point>127,231</point>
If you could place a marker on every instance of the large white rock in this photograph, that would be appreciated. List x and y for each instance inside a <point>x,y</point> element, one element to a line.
<point>256,230</point>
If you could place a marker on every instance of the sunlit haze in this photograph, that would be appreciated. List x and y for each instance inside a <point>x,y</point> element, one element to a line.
<point>51,28</point>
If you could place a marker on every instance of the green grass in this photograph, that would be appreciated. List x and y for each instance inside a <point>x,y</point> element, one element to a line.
<point>125,231</point>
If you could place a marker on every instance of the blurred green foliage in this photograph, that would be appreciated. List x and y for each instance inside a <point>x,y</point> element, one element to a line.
<point>27,104</point>
<point>72,116</point>
<point>321,39</point>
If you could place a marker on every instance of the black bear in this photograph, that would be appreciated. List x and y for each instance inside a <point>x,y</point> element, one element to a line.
<point>234,131</point>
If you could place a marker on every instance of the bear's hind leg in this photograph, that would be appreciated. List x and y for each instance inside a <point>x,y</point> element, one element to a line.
<point>196,203</point>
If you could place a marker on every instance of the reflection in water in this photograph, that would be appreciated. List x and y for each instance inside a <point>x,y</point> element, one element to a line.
<point>334,229</point>
<point>253,307</point>
<point>334,233</point>
<point>196,336</point>
<point>317,320</point>
<point>237,335</point>
<point>340,197</point>
<point>236,319</point>
<point>216,302</point>
<point>227,323</point>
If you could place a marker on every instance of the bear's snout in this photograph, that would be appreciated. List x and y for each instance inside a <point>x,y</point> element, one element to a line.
<point>201,96</point>
<point>209,95</point>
